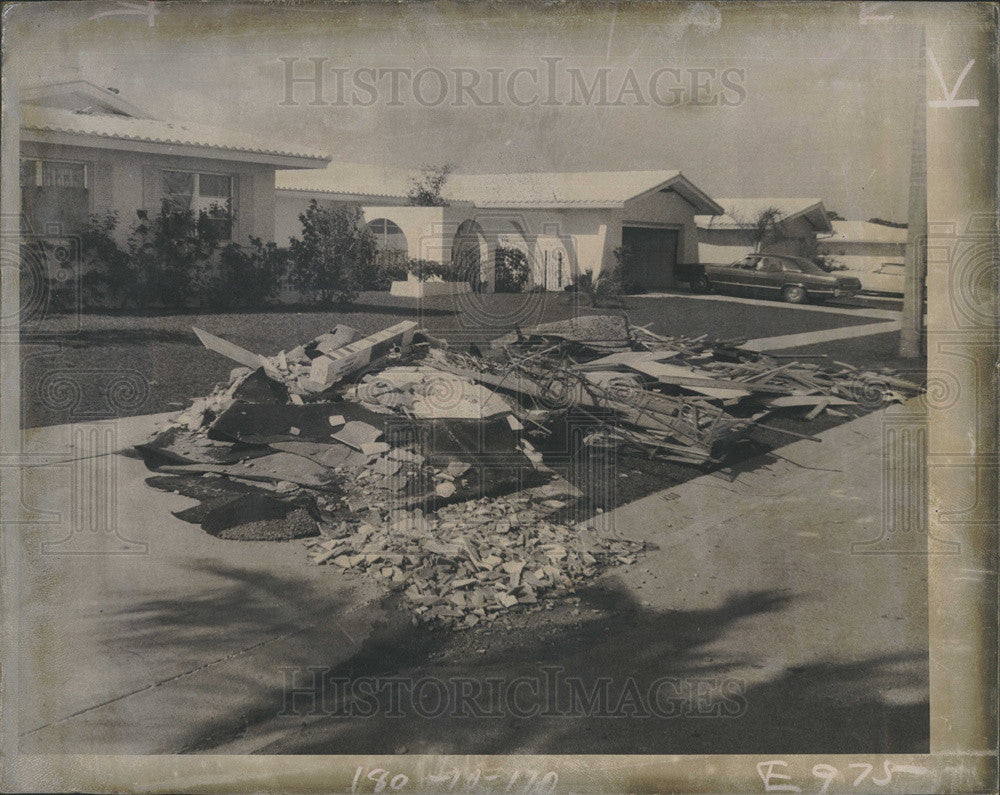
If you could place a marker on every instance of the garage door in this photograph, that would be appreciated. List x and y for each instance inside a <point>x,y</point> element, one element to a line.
<point>654,254</point>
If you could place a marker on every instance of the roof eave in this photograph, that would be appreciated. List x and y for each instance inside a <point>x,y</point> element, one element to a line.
<point>288,161</point>
<point>338,195</point>
<point>555,205</point>
<point>699,199</point>
<point>814,213</point>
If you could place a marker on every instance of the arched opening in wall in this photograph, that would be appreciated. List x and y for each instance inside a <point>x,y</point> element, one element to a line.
<point>388,235</point>
<point>513,263</point>
<point>553,268</point>
<point>392,257</point>
<point>469,253</point>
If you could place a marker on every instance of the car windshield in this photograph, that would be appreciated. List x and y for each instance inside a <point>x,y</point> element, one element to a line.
<point>803,265</point>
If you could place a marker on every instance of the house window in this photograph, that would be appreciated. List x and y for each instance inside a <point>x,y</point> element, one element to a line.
<point>55,196</point>
<point>201,192</point>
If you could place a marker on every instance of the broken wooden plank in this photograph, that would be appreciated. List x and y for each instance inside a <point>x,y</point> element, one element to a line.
<point>230,350</point>
<point>804,401</point>
<point>818,409</point>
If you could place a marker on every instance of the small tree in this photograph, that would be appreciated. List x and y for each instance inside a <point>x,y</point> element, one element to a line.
<point>425,191</point>
<point>173,251</point>
<point>511,270</point>
<point>767,230</point>
<point>336,247</point>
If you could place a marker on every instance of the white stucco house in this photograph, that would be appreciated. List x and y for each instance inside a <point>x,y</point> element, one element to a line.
<point>875,253</point>
<point>727,237</point>
<point>84,149</point>
<point>566,223</point>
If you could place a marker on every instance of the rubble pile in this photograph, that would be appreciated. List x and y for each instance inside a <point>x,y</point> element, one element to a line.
<point>471,561</point>
<point>416,463</point>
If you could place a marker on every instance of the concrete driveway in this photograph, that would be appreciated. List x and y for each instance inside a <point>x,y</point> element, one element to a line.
<point>139,633</point>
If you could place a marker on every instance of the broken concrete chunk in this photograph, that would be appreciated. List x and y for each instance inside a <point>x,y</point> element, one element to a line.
<point>355,434</point>
<point>445,489</point>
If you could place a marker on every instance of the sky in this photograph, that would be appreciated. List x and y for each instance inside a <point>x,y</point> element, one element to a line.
<point>815,102</point>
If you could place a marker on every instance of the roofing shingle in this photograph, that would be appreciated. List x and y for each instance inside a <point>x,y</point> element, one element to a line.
<point>48,119</point>
<point>527,189</point>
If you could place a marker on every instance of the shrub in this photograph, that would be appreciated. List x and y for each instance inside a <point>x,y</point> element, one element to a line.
<point>425,269</point>
<point>607,288</point>
<point>335,249</point>
<point>620,278</point>
<point>248,276</point>
<point>108,273</point>
<point>388,265</point>
<point>172,253</point>
<point>511,270</point>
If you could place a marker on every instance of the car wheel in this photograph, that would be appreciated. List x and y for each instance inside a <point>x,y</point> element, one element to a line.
<point>702,284</point>
<point>794,294</point>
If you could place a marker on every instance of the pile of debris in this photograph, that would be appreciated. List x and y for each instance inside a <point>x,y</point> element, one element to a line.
<point>403,458</point>
<point>471,561</point>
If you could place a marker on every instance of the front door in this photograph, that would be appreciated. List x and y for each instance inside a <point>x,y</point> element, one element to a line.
<point>653,254</point>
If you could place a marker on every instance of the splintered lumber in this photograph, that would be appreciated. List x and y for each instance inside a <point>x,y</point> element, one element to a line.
<point>805,401</point>
<point>229,350</point>
<point>338,364</point>
<point>688,378</point>
<point>818,409</point>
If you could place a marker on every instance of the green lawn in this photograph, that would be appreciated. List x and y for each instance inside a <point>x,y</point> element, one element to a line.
<point>98,366</point>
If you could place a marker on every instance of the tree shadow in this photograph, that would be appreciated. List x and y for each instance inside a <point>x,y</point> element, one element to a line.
<point>668,688</point>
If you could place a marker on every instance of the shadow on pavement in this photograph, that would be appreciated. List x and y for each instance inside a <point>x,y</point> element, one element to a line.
<point>643,681</point>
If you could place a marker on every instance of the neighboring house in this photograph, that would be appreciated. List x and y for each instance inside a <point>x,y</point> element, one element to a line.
<point>875,253</point>
<point>86,150</point>
<point>727,237</point>
<point>566,223</point>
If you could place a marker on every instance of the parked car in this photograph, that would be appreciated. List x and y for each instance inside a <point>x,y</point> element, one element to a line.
<point>794,279</point>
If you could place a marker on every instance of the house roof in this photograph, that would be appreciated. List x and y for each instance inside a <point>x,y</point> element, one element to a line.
<point>741,213</point>
<point>350,179</point>
<point>81,95</point>
<point>96,129</point>
<point>589,189</point>
<point>865,232</point>
<point>572,189</point>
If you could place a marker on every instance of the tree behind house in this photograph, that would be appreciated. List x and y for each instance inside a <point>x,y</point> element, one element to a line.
<point>425,191</point>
